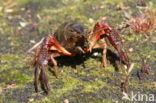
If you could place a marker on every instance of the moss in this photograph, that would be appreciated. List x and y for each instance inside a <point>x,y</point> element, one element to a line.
<point>11,69</point>
<point>15,77</point>
<point>92,63</point>
<point>22,2</point>
<point>12,61</point>
<point>69,83</point>
<point>1,99</point>
<point>142,86</point>
<point>44,100</point>
<point>92,86</point>
<point>88,81</point>
<point>117,1</point>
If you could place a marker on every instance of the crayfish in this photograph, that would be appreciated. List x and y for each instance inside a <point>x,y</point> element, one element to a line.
<point>70,39</point>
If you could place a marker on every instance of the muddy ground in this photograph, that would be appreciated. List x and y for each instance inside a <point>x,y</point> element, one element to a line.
<point>82,79</point>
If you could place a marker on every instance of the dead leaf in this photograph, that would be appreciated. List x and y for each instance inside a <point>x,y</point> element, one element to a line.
<point>91,20</point>
<point>23,24</point>
<point>31,99</point>
<point>11,86</point>
<point>154,84</point>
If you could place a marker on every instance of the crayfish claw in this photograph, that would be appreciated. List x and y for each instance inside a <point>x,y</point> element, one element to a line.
<point>36,81</point>
<point>44,80</point>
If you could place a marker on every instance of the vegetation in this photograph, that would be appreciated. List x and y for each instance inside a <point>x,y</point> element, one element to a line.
<point>24,22</point>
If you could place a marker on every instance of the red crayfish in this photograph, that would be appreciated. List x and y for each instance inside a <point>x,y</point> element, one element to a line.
<point>71,39</point>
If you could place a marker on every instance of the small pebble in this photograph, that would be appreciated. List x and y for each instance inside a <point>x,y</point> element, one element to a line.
<point>149,56</point>
<point>66,101</point>
<point>31,100</point>
<point>8,10</point>
<point>75,71</point>
<point>154,84</point>
<point>91,20</point>
<point>95,54</point>
<point>130,49</point>
<point>23,9</point>
<point>32,41</point>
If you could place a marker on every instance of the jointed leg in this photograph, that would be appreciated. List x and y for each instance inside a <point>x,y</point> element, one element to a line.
<point>104,46</point>
<point>56,72</point>
<point>104,60</point>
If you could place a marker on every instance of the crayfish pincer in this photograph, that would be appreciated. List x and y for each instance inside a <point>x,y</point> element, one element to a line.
<point>70,39</point>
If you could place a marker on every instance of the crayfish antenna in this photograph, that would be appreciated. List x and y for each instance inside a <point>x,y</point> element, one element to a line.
<point>35,46</point>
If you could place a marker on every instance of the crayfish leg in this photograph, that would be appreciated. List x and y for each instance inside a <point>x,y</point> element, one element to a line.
<point>104,52</point>
<point>56,72</point>
<point>104,60</point>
